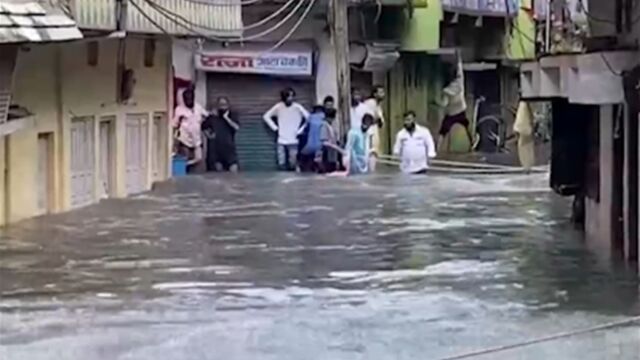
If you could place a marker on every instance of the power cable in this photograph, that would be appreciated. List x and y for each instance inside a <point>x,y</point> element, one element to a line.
<point>173,17</point>
<point>546,339</point>
<point>272,16</point>
<point>228,2</point>
<point>293,29</point>
<point>608,64</point>
<point>146,16</point>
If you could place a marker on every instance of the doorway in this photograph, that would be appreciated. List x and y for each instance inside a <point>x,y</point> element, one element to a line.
<point>160,146</point>
<point>107,165</point>
<point>44,179</point>
<point>82,161</point>
<point>137,127</point>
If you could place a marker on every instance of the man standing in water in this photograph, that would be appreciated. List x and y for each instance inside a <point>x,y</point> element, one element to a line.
<point>290,117</point>
<point>186,124</point>
<point>220,130</point>
<point>357,109</point>
<point>358,147</point>
<point>373,107</point>
<point>414,145</point>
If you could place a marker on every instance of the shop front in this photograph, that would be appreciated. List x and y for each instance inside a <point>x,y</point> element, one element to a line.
<point>252,80</point>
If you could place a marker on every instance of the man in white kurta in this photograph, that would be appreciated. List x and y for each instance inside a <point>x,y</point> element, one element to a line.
<point>414,145</point>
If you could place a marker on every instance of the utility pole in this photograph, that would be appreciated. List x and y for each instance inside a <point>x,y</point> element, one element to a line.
<point>339,24</point>
<point>121,26</point>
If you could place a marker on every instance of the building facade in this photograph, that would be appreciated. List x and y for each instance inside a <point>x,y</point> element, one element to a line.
<point>592,80</point>
<point>491,38</point>
<point>94,111</point>
<point>252,71</point>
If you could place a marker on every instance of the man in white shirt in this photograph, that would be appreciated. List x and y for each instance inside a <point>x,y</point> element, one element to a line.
<point>290,116</point>
<point>414,145</point>
<point>373,107</point>
<point>186,122</point>
<point>358,109</point>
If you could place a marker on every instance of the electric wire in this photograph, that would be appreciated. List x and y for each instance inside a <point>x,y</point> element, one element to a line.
<point>257,24</point>
<point>175,18</point>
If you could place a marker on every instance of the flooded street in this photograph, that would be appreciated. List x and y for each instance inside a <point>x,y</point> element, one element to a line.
<point>279,267</point>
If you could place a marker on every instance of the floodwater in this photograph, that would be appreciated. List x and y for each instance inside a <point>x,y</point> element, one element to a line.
<point>262,266</point>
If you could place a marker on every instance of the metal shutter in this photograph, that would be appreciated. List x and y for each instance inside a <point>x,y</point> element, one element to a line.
<point>251,96</point>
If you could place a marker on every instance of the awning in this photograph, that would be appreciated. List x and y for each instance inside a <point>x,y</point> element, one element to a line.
<point>25,21</point>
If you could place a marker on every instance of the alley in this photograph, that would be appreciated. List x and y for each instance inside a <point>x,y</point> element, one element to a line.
<point>278,267</point>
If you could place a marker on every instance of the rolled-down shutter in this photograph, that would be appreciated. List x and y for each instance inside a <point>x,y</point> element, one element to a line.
<point>251,96</point>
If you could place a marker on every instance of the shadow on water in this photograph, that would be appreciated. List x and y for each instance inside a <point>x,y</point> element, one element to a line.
<point>369,265</point>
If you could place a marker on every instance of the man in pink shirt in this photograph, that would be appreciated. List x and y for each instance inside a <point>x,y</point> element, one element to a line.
<point>186,123</point>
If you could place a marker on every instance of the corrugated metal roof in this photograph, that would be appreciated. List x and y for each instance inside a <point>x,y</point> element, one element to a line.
<point>222,18</point>
<point>22,21</point>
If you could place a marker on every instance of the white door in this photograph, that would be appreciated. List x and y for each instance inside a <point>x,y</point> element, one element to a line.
<point>136,153</point>
<point>159,146</point>
<point>45,168</point>
<point>106,157</point>
<point>82,162</point>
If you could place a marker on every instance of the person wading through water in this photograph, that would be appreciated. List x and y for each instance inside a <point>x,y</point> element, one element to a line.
<point>414,145</point>
<point>373,107</point>
<point>220,130</point>
<point>331,151</point>
<point>311,142</point>
<point>358,148</point>
<point>186,125</point>
<point>290,117</point>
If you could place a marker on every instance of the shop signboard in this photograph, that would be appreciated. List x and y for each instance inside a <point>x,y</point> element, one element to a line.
<point>246,62</point>
<point>483,7</point>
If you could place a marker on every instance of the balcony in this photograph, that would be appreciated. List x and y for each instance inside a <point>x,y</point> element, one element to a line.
<point>582,79</point>
<point>499,8</point>
<point>223,20</point>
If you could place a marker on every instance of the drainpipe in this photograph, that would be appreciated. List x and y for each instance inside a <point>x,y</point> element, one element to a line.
<point>547,31</point>
<point>121,26</point>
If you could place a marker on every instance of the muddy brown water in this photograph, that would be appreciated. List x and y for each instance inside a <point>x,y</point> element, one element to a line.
<point>276,266</point>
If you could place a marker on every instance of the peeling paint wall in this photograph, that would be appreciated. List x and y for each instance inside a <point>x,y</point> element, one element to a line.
<point>56,83</point>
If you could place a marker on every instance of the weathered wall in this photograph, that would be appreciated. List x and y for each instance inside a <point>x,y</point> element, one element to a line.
<point>150,93</point>
<point>56,83</point>
<point>422,32</point>
<point>598,221</point>
<point>413,84</point>
<point>35,89</point>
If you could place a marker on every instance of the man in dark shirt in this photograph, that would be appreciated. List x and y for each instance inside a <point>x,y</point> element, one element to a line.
<point>220,130</point>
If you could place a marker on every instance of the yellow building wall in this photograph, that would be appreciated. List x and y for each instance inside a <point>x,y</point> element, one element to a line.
<point>520,43</point>
<point>56,83</point>
<point>34,88</point>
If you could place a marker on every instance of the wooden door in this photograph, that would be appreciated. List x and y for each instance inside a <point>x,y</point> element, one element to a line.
<point>83,169</point>
<point>136,153</point>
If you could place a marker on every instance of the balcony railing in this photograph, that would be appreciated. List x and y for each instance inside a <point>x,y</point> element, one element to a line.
<point>483,7</point>
<point>222,17</point>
